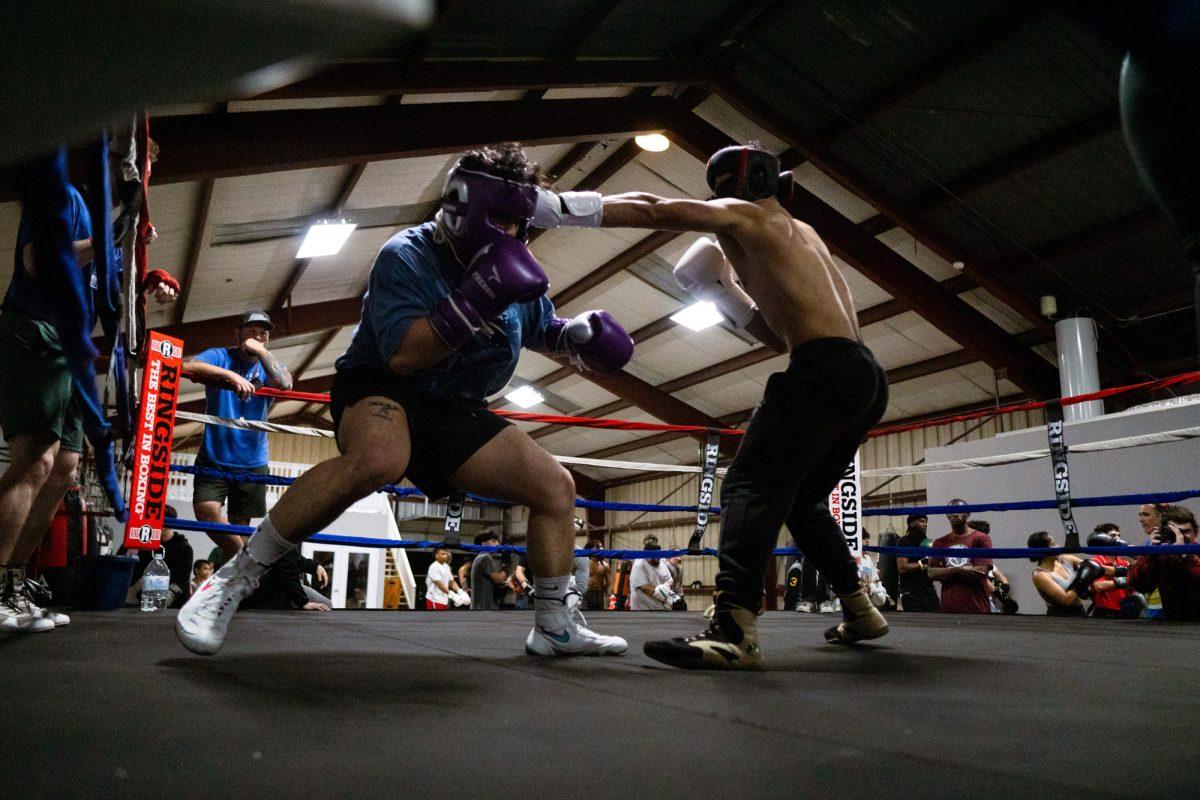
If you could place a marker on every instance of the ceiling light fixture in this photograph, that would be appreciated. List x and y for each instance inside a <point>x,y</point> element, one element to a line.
<point>524,397</point>
<point>698,316</point>
<point>325,238</point>
<point>654,142</point>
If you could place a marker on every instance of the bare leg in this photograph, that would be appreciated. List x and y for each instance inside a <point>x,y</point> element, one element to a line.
<point>45,504</point>
<point>375,451</point>
<point>513,467</point>
<point>31,462</point>
<point>210,511</point>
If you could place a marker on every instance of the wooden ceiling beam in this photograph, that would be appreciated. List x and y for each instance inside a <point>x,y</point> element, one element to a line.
<point>393,78</point>
<point>223,145</point>
<point>187,275</point>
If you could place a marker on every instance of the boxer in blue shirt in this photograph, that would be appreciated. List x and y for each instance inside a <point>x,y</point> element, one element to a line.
<point>449,306</point>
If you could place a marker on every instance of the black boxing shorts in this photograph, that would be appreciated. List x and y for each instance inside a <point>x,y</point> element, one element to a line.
<point>444,431</point>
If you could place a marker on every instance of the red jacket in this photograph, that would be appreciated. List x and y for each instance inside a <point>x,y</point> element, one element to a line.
<point>1178,582</point>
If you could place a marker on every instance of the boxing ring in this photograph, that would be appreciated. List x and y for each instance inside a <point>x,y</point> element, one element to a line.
<point>360,703</point>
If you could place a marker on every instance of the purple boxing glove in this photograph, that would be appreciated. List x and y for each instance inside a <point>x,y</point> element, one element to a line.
<point>594,341</point>
<point>502,273</point>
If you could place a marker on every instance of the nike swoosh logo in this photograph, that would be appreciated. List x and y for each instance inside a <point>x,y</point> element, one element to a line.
<point>561,638</point>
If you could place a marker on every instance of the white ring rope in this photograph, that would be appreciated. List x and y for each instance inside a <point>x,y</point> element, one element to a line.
<point>1179,435</point>
<point>1030,455</point>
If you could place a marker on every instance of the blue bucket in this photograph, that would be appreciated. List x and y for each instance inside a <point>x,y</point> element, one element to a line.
<point>104,582</point>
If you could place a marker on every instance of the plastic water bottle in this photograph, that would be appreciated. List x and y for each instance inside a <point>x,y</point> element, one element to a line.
<point>156,584</point>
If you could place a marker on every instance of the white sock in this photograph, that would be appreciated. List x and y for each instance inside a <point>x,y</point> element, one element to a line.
<point>265,547</point>
<point>550,595</point>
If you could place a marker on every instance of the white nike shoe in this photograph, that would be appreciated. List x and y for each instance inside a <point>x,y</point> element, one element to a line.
<point>563,632</point>
<point>805,607</point>
<point>204,619</point>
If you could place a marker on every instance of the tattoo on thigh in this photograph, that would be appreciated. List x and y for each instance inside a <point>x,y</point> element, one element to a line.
<point>383,410</point>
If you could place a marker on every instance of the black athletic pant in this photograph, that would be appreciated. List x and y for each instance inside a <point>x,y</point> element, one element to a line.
<point>803,435</point>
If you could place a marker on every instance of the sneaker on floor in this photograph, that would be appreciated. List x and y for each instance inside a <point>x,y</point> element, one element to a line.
<point>805,607</point>
<point>861,620</point>
<point>730,642</point>
<point>564,632</point>
<point>827,607</point>
<point>204,619</point>
<point>21,590</point>
<point>14,616</point>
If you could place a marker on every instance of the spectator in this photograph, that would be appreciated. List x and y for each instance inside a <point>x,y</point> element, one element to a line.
<point>282,586</point>
<point>39,415</point>
<point>1058,579</point>
<point>440,587</point>
<point>964,579</point>
<point>232,375</point>
<point>917,592</point>
<point>1150,518</point>
<point>650,583</point>
<point>981,525</point>
<point>489,580</point>
<point>177,553</point>
<point>1111,597</point>
<point>868,575</point>
<point>598,577</point>
<point>202,570</point>
<point>1176,576</point>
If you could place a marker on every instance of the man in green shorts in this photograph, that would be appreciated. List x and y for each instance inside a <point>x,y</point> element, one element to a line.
<point>38,415</point>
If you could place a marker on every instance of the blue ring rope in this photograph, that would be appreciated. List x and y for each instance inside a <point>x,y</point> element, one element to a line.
<point>907,552</point>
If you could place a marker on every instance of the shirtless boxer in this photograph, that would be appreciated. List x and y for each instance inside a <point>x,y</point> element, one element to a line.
<point>813,415</point>
<point>448,308</point>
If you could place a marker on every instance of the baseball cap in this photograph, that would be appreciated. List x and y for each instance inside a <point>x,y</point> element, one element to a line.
<point>257,318</point>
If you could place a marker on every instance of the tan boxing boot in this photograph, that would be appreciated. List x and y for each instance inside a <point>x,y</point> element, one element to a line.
<point>729,642</point>
<point>860,620</point>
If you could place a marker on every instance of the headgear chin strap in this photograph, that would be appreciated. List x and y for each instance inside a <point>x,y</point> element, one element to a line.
<point>744,172</point>
<point>472,197</point>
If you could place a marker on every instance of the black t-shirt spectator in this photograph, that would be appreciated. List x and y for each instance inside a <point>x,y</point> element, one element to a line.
<point>915,582</point>
<point>282,585</point>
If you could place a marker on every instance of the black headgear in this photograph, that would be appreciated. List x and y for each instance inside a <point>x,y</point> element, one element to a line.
<point>1105,539</point>
<point>744,172</point>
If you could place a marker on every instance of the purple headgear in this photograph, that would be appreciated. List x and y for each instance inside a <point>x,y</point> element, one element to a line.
<point>471,197</point>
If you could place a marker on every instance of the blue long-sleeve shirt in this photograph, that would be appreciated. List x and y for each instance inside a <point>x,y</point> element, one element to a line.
<point>411,274</point>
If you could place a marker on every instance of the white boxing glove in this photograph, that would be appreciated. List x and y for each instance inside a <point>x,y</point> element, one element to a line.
<point>706,275</point>
<point>460,598</point>
<point>663,593</point>
<point>572,209</point>
<point>878,595</point>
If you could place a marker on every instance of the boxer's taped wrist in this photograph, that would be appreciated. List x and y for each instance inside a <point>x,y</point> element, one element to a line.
<point>455,320</point>
<point>583,209</point>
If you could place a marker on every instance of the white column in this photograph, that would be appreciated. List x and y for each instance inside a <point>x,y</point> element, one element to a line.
<point>1078,372</point>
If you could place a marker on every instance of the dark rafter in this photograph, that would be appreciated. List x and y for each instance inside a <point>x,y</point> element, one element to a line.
<point>1050,146</point>
<point>722,37</point>
<point>223,145</point>
<point>187,275</point>
<point>392,78</point>
<point>990,36</point>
